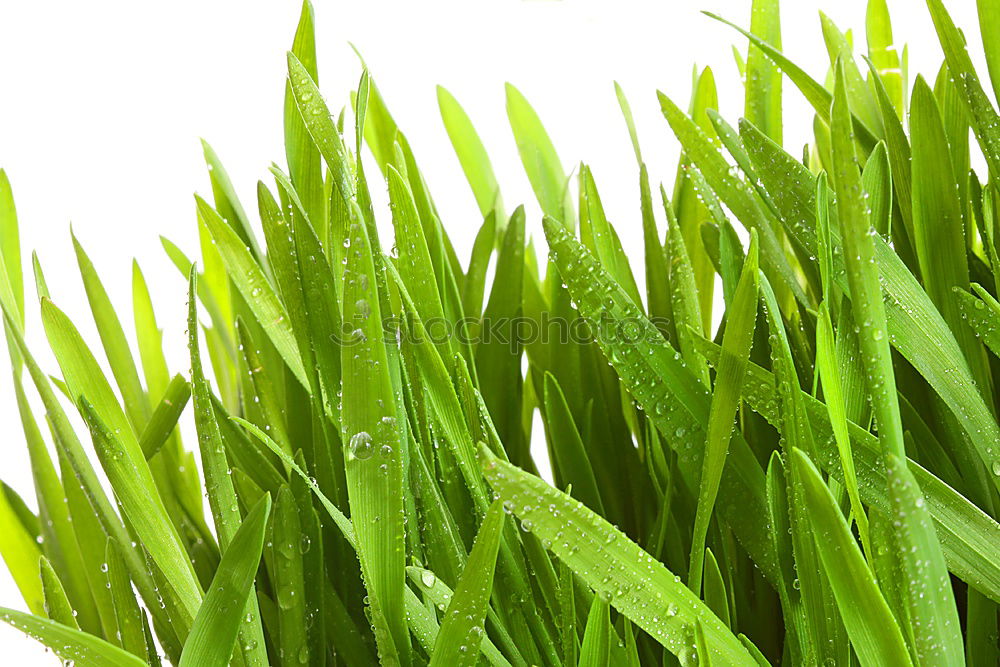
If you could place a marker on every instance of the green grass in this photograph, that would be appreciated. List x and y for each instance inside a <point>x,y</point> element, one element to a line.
<point>813,482</point>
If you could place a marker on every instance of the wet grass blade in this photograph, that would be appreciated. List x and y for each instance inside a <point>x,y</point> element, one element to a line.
<point>215,628</point>
<point>374,450</point>
<point>736,343</point>
<point>68,643</point>
<point>874,632</point>
<point>461,631</point>
<point>636,585</point>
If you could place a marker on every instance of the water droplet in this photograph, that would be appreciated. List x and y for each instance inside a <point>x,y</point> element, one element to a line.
<point>361,445</point>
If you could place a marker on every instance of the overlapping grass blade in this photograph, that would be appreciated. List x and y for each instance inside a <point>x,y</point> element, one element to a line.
<point>633,583</point>
<point>215,628</point>
<point>68,643</point>
<point>874,632</point>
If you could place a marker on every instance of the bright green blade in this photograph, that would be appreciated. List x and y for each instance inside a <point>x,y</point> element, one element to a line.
<point>252,284</point>
<point>874,632</point>
<point>57,605</point>
<point>374,453</point>
<point>471,154</point>
<point>216,626</point>
<point>826,363</point>
<point>72,645</point>
<point>763,78</point>
<point>461,631</point>
<point>636,585</point>
<point>675,400</point>
<point>741,318</point>
<point>883,54</point>
<point>222,499</point>
<point>21,553</point>
<point>540,160</point>
<point>118,450</point>
<point>304,164</point>
<point>164,418</point>
<point>596,648</point>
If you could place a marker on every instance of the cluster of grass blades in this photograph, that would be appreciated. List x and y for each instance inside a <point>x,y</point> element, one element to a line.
<point>814,482</point>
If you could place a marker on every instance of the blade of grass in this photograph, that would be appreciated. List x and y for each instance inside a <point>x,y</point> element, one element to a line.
<point>461,631</point>
<point>874,632</point>
<point>72,645</point>
<point>736,342</point>
<point>215,628</point>
<point>637,586</point>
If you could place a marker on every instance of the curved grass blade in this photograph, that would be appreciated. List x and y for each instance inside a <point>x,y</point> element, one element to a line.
<point>596,648</point>
<point>57,605</point>
<point>674,399</point>
<point>540,160</point>
<point>873,631</point>
<point>461,631</point>
<point>120,456</point>
<point>164,418</point>
<point>319,123</point>
<point>115,344</point>
<point>79,648</point>
<point>737,194</point>
<point>215,628</point>
<point>982,115</point>
<point>253,285</point>
<point>636,585</point>
<point>471,154</point>
<point>741,318</point>
<point>21,553</point>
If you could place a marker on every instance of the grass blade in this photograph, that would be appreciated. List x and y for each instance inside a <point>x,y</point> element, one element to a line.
<point>214,632</point>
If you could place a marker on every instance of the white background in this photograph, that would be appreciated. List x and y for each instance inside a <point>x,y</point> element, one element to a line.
<point>102,104</point>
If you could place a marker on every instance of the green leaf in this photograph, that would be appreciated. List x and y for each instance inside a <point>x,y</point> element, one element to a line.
<point>826,363</point>
<point>596,648</point>
<point>982,115</point>
<point>215,628</point>
<point>70,644</point>
<point>164,418</point>
<point>674,399</point>
<point>119,453</point>
<point>219,488</point>
<point>883,55</point>
<point>763,78</point>
<point>540,160</point>
<point>304,164</point>
<point>873,631</point>
<point>21,553</point>
<point>627,577</point>
<point>471,154</point>
<point>373,460</point>
<point>252,284</point>
<point>741,317</point>
<point>862,275</point>
<point>316,117</point>
<point>115,344</point>
<point>57,605</point>
<point>461,630</point>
